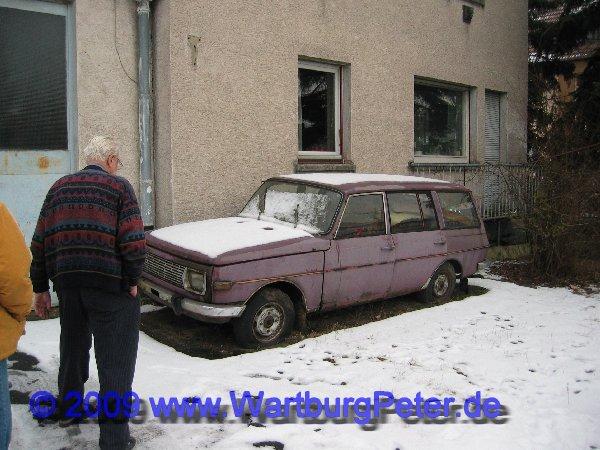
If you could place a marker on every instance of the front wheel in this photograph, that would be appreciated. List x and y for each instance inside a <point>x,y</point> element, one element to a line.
<point>441,286</point>
<point>268,318</point>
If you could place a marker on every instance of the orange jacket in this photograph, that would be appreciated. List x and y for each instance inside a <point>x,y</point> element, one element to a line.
<point>16,294</point>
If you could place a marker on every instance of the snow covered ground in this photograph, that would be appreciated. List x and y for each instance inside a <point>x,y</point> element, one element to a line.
<point>536,350</point>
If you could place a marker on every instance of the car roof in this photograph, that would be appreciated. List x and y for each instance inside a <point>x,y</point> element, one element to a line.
<point>361,182</point>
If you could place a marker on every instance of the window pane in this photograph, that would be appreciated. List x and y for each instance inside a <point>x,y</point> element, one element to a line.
<point>439,121</point>
<point>307,207</point>
<point>33,101</point>
<point>458,209</point>
<point>429,218</point>
<point>316,115</point>
<point>405,215</point>
<point>363,217</point>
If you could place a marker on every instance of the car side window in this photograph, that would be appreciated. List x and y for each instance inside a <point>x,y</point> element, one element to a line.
<point>430,222</point>
<point>458,210</point>
<point>405,214</point>
<point>364,216</point>
<point>411,212</point>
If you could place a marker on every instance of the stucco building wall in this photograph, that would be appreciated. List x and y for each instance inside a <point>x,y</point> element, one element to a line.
<point>162,113</point>
<point>234,115</point>
<point>106,96</point>
<point>229,122</point>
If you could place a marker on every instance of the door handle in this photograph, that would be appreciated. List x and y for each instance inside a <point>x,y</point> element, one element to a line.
<point>389,249</point>
<point>440,242</point>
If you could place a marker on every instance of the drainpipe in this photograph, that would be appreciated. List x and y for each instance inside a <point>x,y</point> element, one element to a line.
<point>147,202</point>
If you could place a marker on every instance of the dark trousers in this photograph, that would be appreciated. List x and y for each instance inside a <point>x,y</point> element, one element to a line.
<point>114,322</point>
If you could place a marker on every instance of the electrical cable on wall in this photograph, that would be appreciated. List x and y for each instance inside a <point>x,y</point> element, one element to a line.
<point>116,46</point>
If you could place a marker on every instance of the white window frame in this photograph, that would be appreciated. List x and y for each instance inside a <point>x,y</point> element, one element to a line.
<point>335,69</point>
<point>445,159</point>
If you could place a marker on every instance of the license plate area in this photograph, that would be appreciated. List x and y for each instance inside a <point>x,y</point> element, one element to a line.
<point>154,291</point>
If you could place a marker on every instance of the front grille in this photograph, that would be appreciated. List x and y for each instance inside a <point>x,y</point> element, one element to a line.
<point>163,269</point>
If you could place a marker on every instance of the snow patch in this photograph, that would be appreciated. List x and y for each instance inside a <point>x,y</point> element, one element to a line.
<point>338,179</point>
<point>536,350</point>
<point>218,236</point>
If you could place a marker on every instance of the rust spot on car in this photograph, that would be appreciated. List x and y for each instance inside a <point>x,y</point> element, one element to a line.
<point>43,162</point>
<point>366,296</point>
<point>5,163</point>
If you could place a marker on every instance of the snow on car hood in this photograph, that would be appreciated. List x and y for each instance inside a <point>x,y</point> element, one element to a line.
<point>230,239</point>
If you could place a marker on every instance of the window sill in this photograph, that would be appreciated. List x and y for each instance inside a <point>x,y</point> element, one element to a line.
<point>306,166</point>
<point>317,156</point>
<point>417,164</point>
<point>446,160</point>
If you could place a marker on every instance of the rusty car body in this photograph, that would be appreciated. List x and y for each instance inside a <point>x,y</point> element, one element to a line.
<point>307,243</point>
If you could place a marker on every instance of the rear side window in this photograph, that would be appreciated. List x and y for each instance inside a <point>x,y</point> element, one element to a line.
<point>405,213</point>
<point>458,210</point>
<point>364,216</point>
<point>410,212</point>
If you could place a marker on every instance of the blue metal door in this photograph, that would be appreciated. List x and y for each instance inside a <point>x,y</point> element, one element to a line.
<point>37,126</point>
<point>36,133</point>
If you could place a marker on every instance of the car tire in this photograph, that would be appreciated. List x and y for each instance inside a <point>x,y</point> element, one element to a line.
<point>267,319</point>
<point>441,285</point>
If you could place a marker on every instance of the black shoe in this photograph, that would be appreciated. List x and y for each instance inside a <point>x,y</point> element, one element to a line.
<point>64,422</point>
<point>131,443</point>
<point>84,414</point>
<point>55,417</point>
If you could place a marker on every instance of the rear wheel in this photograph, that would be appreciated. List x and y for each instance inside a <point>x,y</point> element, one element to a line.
<point>267,319</point>
<point>441,285</point>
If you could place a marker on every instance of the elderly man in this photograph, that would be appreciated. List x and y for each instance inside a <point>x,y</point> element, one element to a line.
<point>89,241</point>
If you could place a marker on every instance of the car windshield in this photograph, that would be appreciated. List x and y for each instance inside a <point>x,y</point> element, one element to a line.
<point>311,208</point>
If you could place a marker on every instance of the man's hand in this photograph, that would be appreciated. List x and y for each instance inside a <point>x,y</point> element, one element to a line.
<point>42,304</point>
<point>133,291</point>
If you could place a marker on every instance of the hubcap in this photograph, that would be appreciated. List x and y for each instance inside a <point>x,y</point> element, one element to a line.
<point>268,321</point>
<point>440,286</point>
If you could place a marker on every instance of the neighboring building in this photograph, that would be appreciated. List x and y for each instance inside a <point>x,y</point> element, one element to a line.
<point>244,90</point>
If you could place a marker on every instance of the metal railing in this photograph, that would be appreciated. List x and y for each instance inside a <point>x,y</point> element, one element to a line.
<point>500,190</point>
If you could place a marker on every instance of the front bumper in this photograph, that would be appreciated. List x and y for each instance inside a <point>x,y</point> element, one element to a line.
<point>205,312</point>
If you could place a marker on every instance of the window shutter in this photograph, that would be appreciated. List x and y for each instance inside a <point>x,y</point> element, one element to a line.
<point>33,80</point>
<point>492,127</point>
<point>492,152</point>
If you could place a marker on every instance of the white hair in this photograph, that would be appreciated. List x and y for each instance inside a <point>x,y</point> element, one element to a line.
<point>99,149</point>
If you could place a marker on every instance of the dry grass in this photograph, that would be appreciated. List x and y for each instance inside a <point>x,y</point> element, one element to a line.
<point>216,341</point>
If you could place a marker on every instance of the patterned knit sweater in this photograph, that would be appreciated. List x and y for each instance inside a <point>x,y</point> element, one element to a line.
<point>89,234</point>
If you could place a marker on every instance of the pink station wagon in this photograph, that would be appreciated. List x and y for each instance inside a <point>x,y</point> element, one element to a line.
<point>306,243</point>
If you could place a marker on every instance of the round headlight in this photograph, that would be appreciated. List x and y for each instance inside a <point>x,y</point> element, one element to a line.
<point>194,281</point>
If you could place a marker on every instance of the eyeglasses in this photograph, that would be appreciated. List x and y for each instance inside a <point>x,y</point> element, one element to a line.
<point>119,162</point>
